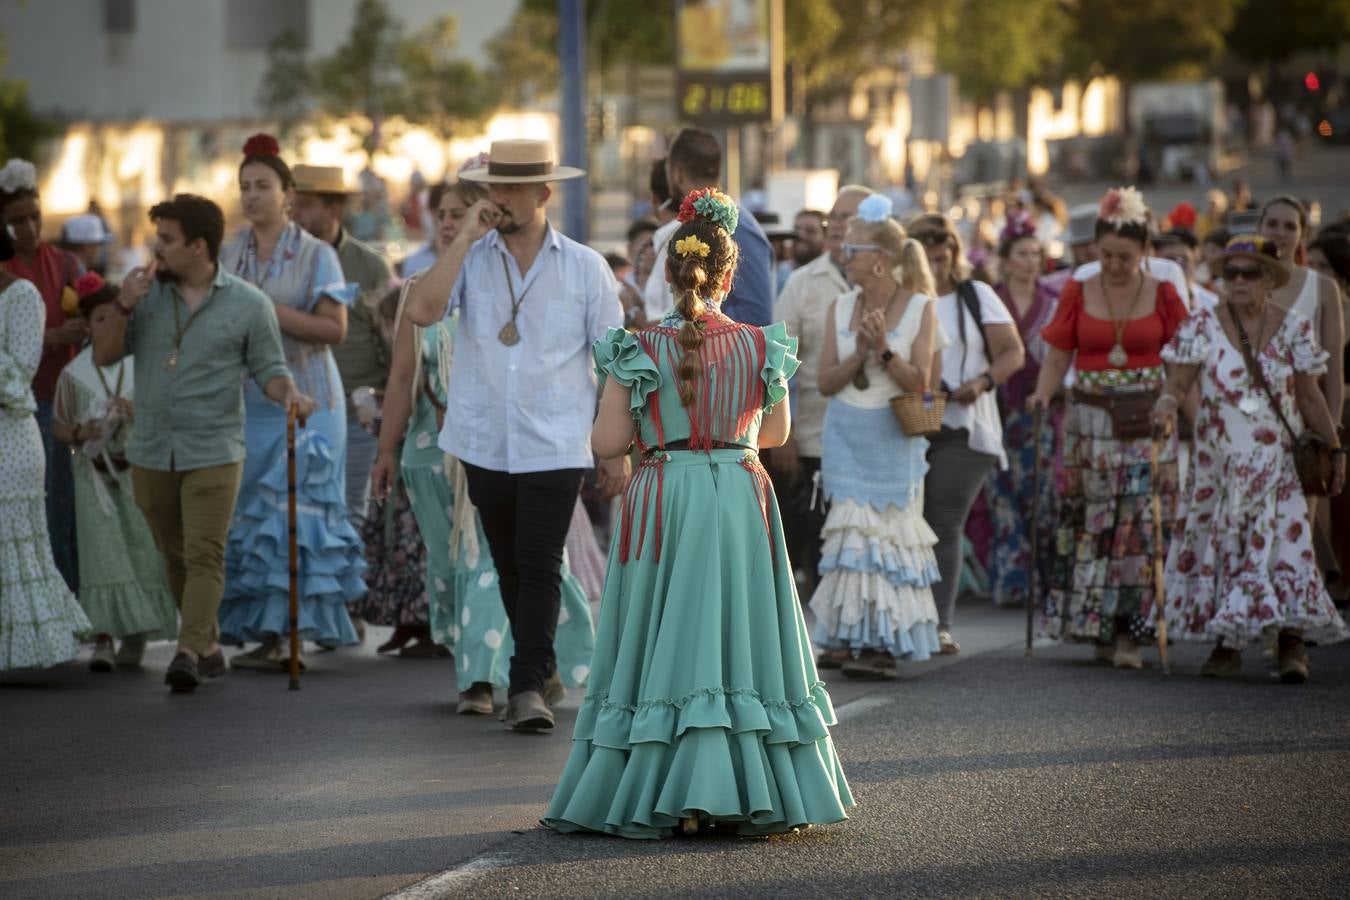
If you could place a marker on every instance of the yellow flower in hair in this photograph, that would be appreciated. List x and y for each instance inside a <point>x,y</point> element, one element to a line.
<point>691,246</point>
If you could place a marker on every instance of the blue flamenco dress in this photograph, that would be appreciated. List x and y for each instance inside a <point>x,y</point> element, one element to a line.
<point>704,698</point>
<point>331,555</point>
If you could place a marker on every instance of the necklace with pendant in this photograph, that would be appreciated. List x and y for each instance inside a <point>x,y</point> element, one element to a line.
<point>1249,404</point>
<point>1118,356</point>
<point>860,379</point>
<point>510,334</point>
<point>171,361</point>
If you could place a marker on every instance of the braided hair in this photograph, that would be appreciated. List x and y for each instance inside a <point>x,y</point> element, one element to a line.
<point>700,259</point>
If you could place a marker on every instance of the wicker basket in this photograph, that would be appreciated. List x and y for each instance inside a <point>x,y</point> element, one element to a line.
<point>919,412</point>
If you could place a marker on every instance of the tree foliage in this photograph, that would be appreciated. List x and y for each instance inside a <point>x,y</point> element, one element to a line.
<point>997,45</point>
<point>21,129</point>
<point>1147,39</point>
<point>1269,32</point>
<point>377,73</point>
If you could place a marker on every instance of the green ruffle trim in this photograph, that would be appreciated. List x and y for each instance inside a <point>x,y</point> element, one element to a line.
<point>780,363</point>
<point>619,355</point>
<point>738,710</point>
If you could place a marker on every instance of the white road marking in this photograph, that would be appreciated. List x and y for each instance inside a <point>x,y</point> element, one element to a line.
<point>441,885</point>
<point>863,704</point>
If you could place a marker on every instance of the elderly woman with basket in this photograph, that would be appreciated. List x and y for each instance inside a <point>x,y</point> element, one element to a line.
<point>1112,328</point>
<point>874,602</point>
<point>1242,565</point>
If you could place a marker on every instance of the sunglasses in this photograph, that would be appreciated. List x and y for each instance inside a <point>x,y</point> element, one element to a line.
<point>852,250</point>
<point>1243,273</point>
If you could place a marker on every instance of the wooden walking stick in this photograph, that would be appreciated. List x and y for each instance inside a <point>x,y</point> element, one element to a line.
<point>294,554</point>
<point>1159,548</point>
<point>1034,596</point>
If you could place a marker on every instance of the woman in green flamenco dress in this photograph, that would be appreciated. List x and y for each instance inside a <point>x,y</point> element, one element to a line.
<point>704,708</point>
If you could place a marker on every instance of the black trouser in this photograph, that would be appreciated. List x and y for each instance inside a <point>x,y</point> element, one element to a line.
<point>802,523</point>
<point>525,518</point>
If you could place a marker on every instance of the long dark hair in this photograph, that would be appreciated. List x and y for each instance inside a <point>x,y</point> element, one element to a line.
<point>695,279</point>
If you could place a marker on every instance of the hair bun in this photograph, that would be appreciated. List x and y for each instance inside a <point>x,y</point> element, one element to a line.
<point>262,145</point>
<point>710,205</point>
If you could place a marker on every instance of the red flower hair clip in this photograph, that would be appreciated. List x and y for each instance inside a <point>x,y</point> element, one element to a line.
<point>1182,216</point>
<point>262,145</point>
<point>89,283</point>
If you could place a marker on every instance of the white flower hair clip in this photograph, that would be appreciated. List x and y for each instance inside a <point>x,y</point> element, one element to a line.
<point>18,175</point>
<point>876,208</point>
<point>1123,206</point>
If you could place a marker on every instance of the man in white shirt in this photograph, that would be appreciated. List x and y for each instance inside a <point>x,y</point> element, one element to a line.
<point>1180,246</point>
<point>803,304</point>
<point>522,393</point>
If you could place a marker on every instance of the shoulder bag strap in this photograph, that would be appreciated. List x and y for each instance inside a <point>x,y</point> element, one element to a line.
<point>971,297</point>
<point>1254,369</point>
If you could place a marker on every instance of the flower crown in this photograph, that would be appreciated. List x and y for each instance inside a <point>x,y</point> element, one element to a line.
<point>89,283</point>
<point>1123,206</point>
<point>18,175</point>
<point>1182,216</point>
<point>692,246</point>
<point>1018,225</point>
<point>875,208</point>
<point>710,205</point>
<point>262,145</point>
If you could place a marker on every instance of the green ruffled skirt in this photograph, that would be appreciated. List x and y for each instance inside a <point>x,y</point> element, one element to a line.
<point>704,696</point>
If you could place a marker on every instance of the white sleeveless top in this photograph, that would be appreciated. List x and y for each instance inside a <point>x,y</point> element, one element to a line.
<point>1306,303</point>
<point>881,387</point>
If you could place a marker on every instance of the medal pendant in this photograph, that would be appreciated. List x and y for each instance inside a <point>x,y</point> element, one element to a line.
<point>171,362</point>
<point>509,335</point>
<point>1117,357</point>
<point>861,381</point>
<point>1249,405</point>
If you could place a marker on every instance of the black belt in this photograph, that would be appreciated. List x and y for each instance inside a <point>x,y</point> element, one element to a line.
<point>715,445</point>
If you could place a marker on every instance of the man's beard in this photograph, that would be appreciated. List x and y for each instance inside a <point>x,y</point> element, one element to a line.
<point>163,275</point>
<point>508,226</point>
<point>803,253</point>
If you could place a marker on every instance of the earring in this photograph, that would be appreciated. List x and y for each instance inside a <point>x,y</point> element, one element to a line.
<point>879,270</point>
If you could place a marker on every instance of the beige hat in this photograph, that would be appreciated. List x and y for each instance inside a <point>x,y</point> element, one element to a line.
<point>520,162</point>
<point>320,180</point>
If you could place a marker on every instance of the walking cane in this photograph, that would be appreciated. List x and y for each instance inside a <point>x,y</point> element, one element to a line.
<point>1033,599</point>
<point>294,555</point>
<point>1159,549</point>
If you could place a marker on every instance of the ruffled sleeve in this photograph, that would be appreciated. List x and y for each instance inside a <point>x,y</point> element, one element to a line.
<point>780,363</point>
<point>1062,332</point>
<point>619,354</point>
<point>1308,356</point>
<point>1190,344</point>
<point>1170,309</point>
<point>329,282</point>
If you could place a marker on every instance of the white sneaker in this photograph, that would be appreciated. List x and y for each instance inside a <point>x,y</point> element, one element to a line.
<point>102,660</point>
<point>130,652</point>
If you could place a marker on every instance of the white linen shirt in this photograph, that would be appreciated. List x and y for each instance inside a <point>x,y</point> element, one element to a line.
<point>657,299</point>
<point>981,417</point>
<point>528,407</point>
<point>803,306</point>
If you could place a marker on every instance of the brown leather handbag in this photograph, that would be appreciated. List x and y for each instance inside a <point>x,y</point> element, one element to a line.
<point>1130,411</point>
<point>1313,459</point>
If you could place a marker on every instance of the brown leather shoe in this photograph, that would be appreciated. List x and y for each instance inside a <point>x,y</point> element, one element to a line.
<point>476,701</point>
<point>555,691</point>
<point>527,711</point>
<point>1223,662</point>
<point>182,676</point>
<point>832,659</point>
<point>212,665</point>
<point>1293,659</point>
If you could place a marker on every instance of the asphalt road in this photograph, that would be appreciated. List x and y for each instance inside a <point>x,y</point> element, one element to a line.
<point>985,773</point>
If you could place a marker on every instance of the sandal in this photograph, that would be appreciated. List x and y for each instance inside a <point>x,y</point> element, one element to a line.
<point>947,646</point>
<point>873,665</point>
<point>424,649</point>
<point>401,637</point>
<point>832,659</point>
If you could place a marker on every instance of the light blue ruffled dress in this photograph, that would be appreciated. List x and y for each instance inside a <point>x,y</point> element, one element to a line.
<point>332,560</point>
<point>704,698</point>
<point>877,565</point>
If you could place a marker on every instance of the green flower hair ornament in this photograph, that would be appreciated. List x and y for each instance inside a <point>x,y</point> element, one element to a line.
<point>713,206</point>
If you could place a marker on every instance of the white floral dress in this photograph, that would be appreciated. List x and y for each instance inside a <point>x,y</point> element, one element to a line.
<point>1241,559</point>
<point>39,617</point>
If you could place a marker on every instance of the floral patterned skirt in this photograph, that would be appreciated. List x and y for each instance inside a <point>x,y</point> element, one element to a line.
<point>1011,499</point>
<point>1101,565</point>
<point>396,560</point>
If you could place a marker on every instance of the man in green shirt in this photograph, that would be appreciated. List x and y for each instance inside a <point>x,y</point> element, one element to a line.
<point>362,358</point>
<point>193,330</point>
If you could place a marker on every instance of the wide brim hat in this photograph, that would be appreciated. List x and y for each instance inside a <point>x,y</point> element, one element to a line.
<point>520,162</point>
<point>321,180</point>
<point>1259,250</point>
<point>1082,225</point>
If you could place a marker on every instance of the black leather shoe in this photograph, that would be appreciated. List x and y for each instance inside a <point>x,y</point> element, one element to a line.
<point>182,677</point>
<point>212,666</point>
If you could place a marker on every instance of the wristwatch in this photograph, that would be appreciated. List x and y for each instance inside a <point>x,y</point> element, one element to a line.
<point>886,357</point>
<point>992,383</point>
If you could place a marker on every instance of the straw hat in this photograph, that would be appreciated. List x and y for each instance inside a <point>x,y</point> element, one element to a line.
<point>1260,251</point>
<point>320,180</point>
<point>520,162</point>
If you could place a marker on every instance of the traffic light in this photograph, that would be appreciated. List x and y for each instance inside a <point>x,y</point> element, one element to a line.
<point>1312,82</point>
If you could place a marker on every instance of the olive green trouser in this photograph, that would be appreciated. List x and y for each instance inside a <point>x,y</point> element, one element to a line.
<point>189,514</point>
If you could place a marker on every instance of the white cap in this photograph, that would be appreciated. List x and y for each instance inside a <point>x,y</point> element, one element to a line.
<point>85,229</point>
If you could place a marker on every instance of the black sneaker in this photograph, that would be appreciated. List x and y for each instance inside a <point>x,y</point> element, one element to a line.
<point>182,677</point>
<point>212,666</point>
